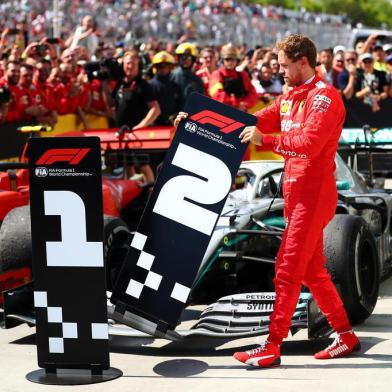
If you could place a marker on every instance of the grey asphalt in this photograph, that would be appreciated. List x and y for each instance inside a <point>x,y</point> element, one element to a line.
<point>202,365</point>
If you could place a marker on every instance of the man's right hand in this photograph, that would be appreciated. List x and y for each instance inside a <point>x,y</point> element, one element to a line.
<point>180,116</point>
<point>251,134</point>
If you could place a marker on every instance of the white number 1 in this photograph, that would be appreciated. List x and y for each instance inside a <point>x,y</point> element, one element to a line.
<point>173,199</point>
<point>73,250</point>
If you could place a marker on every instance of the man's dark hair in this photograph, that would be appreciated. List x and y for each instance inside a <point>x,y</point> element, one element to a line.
<point>44,61</point>
<point>15,62</point>
<point>297,46</point>
<point>27,66</point>
<point>327,50</point>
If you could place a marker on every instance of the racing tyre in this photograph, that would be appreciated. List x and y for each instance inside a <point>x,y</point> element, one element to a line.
<point>352,261</point>
<point>116,241</point>
<point>15,239</point>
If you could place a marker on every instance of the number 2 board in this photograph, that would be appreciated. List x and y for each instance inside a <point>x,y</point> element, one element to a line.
<point>180,216</point>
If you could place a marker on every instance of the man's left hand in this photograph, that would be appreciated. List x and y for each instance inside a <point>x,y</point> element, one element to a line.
<point>251,134</point>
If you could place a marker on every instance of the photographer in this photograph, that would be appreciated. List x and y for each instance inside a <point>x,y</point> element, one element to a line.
<point>35,52</point>
<point>102,76</point>
<point>136,106</point>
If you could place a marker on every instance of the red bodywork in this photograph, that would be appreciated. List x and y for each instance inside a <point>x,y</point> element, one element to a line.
<point>117,193</point>
<point>14,190</point>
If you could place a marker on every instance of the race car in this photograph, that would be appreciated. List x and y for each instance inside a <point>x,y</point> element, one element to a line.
<point>241,254</point>
<point>237,270</point>
<point>122,198</point>
<point>368,151</point>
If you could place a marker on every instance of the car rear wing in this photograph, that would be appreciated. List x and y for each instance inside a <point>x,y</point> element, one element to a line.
<point>368,151</point>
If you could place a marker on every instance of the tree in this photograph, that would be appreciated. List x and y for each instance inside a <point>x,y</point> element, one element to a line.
<point>374,13</point>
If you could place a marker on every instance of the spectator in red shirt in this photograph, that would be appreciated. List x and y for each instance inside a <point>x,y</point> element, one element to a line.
<point>208,61</point>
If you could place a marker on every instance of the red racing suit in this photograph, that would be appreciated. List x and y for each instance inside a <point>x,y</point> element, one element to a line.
<point>223,80</point>
<point>310,118</point>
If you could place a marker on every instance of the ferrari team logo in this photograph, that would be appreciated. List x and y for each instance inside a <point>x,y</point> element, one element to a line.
<point>285,107</point>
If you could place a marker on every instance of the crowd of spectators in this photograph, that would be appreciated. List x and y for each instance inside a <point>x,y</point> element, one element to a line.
<point>96,67</point>
<point>168,19</point>
<point>41,80</point>
<point>91,69</point>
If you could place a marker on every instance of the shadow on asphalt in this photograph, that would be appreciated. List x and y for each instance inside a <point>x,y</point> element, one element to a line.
<point>29,339</point>
<point>183,368</point>
<point>198,347</point>
<point>376,323</point>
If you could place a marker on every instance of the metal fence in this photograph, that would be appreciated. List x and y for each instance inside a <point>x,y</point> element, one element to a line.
<point>244,26</point>
<point>218,29</point>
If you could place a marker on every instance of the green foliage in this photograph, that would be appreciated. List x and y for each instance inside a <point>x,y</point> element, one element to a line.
<point>374,13</point>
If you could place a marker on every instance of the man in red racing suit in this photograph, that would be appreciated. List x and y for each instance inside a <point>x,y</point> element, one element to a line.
<point>310,117</point>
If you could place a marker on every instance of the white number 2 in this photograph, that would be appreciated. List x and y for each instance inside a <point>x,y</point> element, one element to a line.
<point>73,250</point>
<point>214,186</point>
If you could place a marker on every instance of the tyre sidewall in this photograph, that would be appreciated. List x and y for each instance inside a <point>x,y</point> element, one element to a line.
<point>346,239</point>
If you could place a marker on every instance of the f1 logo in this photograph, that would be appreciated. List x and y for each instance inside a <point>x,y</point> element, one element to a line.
<point>225,124</point>
<point>70,155</point>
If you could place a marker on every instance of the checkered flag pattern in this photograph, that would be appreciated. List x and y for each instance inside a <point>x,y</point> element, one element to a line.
<point>69,329</point>
<point>153,280</point>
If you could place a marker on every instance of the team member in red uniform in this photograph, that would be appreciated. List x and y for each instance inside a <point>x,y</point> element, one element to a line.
<point>11,80</point>
<point>97,103</point>
<point>311,117</point>
<point>42,71</point>
<point>230,86</point>
<point>31,101</point>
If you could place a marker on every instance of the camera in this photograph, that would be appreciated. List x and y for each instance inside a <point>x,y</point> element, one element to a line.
<point>5,95</point>
<point>107,69</point>
<point>41,49</point>
<point>52,40</point>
